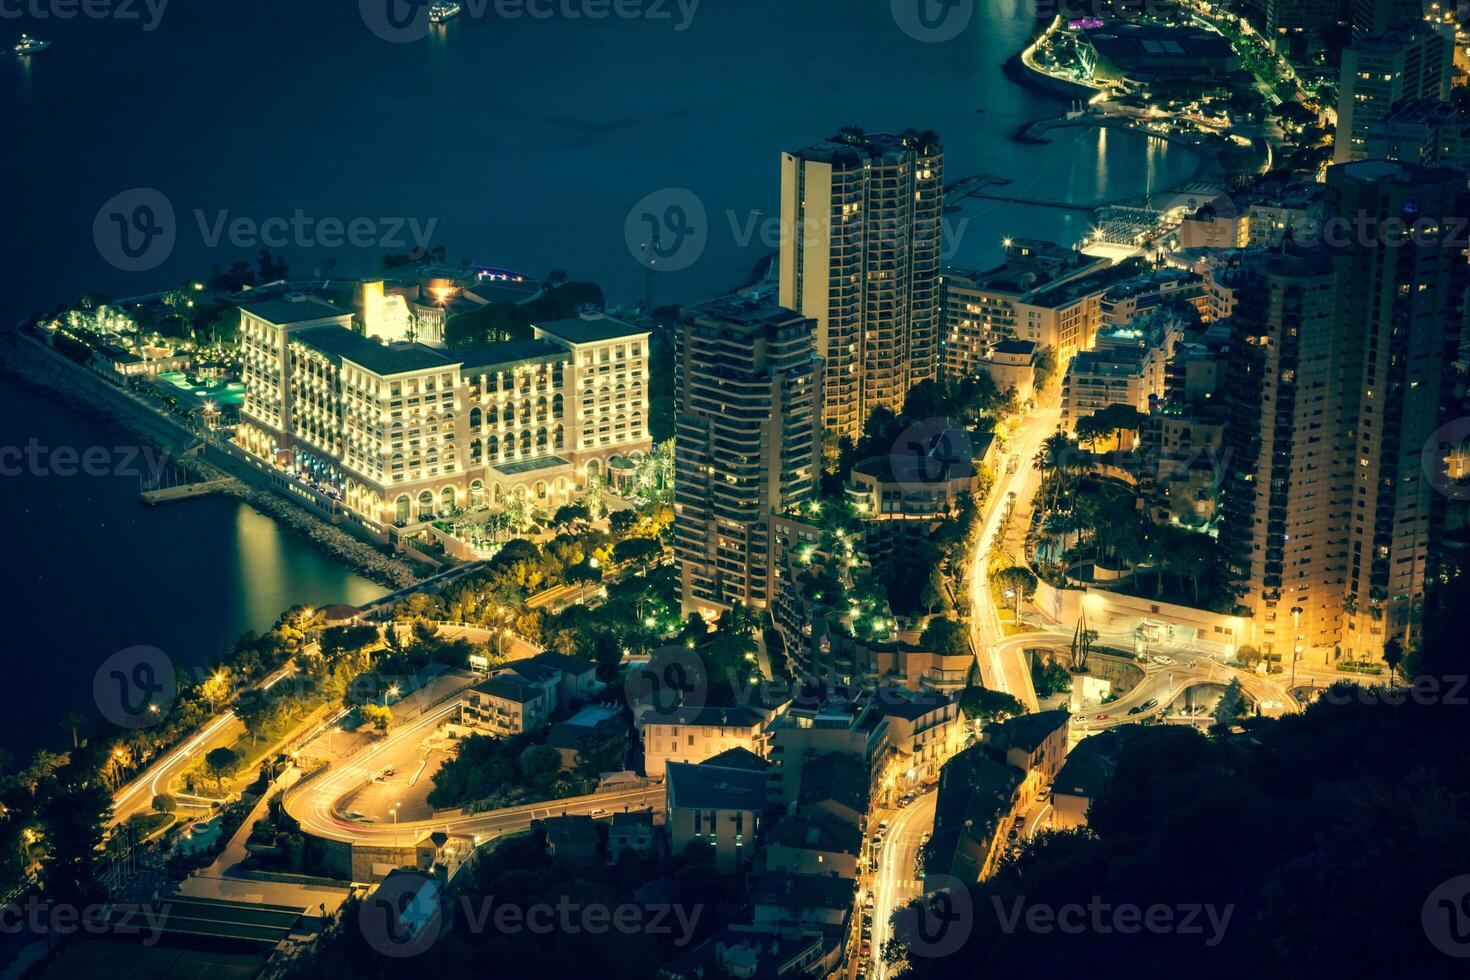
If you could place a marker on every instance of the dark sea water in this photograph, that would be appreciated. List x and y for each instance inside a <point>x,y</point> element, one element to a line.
<point>88,570</point>
<point>524,141</point>
<point>521,142</point>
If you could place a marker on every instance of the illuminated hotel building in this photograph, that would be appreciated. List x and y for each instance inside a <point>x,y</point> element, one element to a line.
<point>401,433</point>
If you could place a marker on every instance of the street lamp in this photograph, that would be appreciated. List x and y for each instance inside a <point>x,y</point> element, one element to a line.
<point>391,692</point>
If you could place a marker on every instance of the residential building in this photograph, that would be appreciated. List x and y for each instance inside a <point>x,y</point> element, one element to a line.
<point>1088,770</point>
<point>1412,61</point>
<point>692,735</point>
<point>1370,17</point>
<point>974,803</point>
<point>401,433</point>
<point>860,246</point>
<point>781,898</point>
<point>836,784</point>
<point>1011,364</point>
<point>757,951</point>
<point>631,833</point>
<point>821,722</point>
<point>748,394</point>
<point>980,308</point>
<point>922,481</point>
<point>506,706</point>
<point>1427,132</point>
<point>718,806</point>
<point>571,837</point>
<point>923,728</point>
<point>814,843</point>
<point>1097,379</point>
<point>1036,744</point>
<point>1337,381</point>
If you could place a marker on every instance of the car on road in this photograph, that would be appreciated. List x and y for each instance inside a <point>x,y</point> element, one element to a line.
<point>599,812</point>
<point>1101,717</point>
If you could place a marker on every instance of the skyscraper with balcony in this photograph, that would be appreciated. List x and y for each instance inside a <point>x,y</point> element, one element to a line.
<point>748,425</point>
<point>860,249</point>
<point>1412,61</point>
<point>1338,373</point>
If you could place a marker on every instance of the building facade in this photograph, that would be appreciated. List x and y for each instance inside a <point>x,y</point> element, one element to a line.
<point>860,247</point>
<point>748,409</point>
<point>404,432</point>
<point>1410,62</point>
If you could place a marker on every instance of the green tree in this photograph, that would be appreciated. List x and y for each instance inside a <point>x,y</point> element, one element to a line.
<point>377,716</point>
<point>220,763</point>
<point>1393,656</point>
<point>932,594</point>
<point>1020,582</point>
<point>163,803</point>
<point>945,637</point>
<point>1231,707</point>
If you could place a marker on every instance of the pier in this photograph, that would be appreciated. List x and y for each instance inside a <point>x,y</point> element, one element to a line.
<point>183,491</point>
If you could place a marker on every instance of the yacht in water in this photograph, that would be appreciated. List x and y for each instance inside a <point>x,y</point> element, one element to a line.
<point>444,11</point>
<point>28,45</point>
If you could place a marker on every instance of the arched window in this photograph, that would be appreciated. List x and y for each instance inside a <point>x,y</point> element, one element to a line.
<point>541,439</point>
<point>541,409</point>
<point>426,505</point>
<point>477,493</point>
<point>477,450</point>
<point>525,442</point>
<point>400,509</point>
<point>474,420</point>
<point>558,437</point>
<point>492,448</point>
<point>556,406</point>
<point>447,498</point>
<point>508,413</point>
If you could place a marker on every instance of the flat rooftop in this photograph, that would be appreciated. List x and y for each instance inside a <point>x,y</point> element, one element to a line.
<point>591,328</point>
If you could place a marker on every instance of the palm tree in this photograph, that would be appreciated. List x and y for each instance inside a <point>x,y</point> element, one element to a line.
<point>72,722</point>
<point>1393,655</point>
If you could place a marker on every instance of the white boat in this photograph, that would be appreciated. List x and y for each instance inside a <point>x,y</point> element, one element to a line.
<point>29,45</point>
<point>441,12</point>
